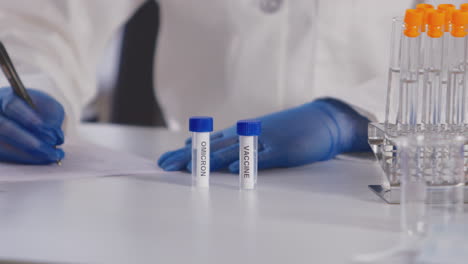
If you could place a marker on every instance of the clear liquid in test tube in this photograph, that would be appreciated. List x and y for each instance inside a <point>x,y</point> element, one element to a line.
<point>455,106</point>
<point>391,110</point>
<point>433,66</point>
<point>409,72</point>
<point>443,122</point>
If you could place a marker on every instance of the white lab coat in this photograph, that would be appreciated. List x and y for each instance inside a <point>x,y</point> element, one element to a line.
<point>228,59</point>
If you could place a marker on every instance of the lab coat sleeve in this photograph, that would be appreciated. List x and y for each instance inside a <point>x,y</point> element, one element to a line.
<point>353,53</point>
<point>56,45</point>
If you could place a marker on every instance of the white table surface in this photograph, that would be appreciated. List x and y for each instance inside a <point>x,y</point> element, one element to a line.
<point>321,213</point>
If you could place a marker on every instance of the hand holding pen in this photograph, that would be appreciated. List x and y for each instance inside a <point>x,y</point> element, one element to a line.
<point>30,121</point>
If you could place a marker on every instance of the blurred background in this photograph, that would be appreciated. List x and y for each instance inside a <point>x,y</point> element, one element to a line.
<point>125,74</point>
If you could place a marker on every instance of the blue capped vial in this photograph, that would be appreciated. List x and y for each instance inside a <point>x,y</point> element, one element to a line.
<point>201,126</point>
<point>248,131</point>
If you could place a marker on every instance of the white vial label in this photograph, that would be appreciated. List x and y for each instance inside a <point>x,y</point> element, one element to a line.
<point>201,159</point>
<point>248,161</point>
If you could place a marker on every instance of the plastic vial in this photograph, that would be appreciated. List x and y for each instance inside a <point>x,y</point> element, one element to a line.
<point>248,131</point>
<point>201,126</point>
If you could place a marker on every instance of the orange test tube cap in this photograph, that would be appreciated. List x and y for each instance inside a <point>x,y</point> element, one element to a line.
<point>464,7</point>
<point>425,8</point>
<point>435,22</point>
<point>413,22</point>
<point>459,22</point>
<point>448,9</point>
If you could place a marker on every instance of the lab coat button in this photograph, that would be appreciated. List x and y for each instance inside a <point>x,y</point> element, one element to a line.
<point>270,6</point>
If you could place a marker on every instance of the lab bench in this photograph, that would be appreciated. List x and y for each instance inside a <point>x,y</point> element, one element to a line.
<point>320,213</point>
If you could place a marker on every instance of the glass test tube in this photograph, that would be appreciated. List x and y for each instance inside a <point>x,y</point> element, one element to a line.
<point>464,8</point>
<point>201,126</point>
<point>433,64</point>
<point>426,9</point>
<point>248,131</point>
<point>455,107</point>
<point>391,110</point>
<point>448,10</point>
<point>409,71</point>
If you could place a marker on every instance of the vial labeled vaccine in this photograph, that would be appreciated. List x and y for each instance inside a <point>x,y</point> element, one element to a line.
<point>248,131</point>
<point>201,126</point>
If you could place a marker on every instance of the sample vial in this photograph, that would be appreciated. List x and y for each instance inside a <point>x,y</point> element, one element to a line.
<point>201,126</point>
<point>248,131</point>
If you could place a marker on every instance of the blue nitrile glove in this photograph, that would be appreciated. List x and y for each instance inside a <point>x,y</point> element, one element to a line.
<point>312,132</point>
<point>27,135</point>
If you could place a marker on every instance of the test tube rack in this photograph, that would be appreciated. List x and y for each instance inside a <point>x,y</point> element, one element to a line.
<point>427,88</point>
<point>383,145</point>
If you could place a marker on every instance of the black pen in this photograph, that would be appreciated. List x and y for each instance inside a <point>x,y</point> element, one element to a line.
<point>13,78</point>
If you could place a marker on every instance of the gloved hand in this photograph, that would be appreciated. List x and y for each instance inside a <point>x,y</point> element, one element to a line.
<point>27,135</point>
<point>312,132</point>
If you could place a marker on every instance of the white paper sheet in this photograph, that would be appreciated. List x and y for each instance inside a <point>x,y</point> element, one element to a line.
<point>82,159</point>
